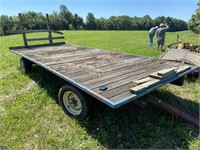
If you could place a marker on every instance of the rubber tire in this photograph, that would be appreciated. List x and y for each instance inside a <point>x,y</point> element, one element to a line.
<point>25,65</point>
<point>80,95</point>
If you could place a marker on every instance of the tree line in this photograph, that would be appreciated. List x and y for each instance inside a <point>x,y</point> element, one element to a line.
<point>194,22</point>
<point>66,20</point>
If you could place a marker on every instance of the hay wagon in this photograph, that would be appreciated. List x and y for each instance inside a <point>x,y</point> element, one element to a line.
<point>111,77</point>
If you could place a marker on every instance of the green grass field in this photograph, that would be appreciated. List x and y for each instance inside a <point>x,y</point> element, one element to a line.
<point>30,117</point>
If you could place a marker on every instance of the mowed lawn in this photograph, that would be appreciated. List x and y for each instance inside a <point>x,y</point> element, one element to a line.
<point>31,118</point>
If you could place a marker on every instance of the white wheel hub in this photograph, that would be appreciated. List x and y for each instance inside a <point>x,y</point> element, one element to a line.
<point>72,103</point>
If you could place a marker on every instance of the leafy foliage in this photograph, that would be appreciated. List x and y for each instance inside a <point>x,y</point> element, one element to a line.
<point>65,20</point>
<point>90,22</point>
<point>194,22</point>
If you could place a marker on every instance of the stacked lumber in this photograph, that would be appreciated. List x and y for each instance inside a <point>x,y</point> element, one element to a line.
<point>156,77</point>
<point>162,74</point>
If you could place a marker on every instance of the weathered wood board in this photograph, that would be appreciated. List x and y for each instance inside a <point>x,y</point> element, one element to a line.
<point>182,55</point>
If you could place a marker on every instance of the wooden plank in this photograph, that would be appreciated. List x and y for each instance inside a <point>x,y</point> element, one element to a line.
<point>51,50</point>
<point>120,96</point>
<point>180,55</point>
<point>117,90</point>
<point>45,57</point>
<point>58,32</point>
<point>31,31</point>
<point>143,86</point>
<point>93,54</point>
<point>97,59</point>
<point>29,22</point>
<point>183,69</point>
<point>141,81</point>
<point>18,48</point>
<point>83,57</point>
<point>162,74</point>
<point>126,63</point>
<point>155,75</point>
<point>50,38</point>
<point>166,72</point>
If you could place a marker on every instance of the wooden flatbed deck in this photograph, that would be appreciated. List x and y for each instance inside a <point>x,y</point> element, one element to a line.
<point>90,69</point>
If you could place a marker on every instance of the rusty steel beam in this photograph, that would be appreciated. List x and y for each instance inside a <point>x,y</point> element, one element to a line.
<point>172,110</point>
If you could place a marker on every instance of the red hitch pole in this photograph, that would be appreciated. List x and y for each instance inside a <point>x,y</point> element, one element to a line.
<point>172,110</point>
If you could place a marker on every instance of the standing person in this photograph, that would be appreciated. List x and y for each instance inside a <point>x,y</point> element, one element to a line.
<point>152,32</point>
<point>160,34</point>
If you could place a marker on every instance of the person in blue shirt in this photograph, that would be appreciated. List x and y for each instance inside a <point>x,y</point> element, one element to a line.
<point>152,32</point>
<point>160,34</point>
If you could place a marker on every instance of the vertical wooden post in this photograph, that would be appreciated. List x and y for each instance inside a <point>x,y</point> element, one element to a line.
<point>49,30</point>
<point>22,29</point>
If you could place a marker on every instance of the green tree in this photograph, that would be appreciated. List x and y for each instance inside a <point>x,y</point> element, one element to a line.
<point>148,23</point>
<point>35,17</point>
<point>67,17</point>
<point>112,23</point>
<point>55,17</point>
<point>90,21</point>
<point>194,22</point>
<point>101,23</point>
<point>78,22</point>
<point>6,27</point>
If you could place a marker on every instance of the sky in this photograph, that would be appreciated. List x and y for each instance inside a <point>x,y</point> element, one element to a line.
<point>180,9</point>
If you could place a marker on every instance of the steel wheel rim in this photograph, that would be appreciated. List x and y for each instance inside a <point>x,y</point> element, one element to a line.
<point>72,103</point>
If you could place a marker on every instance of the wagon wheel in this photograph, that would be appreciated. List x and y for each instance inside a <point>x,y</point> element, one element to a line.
<point>73,102</point>
<point>25,65</point>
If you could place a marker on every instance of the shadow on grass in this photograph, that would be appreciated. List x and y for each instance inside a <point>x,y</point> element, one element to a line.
<point>130,126</point>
